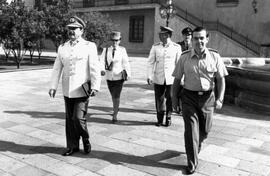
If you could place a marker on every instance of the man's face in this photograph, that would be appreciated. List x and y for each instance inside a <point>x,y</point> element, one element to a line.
<point>187,38</point>
<point>74,32</point>
<point>199,41</point>
<point>115,42</point>
<point>163,37</point>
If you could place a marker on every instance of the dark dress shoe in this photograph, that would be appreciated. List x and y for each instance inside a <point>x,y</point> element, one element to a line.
<point>114,120</point>
<point>86,146</point>
<point>158,124</point>
<point>70,152</point>
<point>190,170</point>
<point>168,122</point>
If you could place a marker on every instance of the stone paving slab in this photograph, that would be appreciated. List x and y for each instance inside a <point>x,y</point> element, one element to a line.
<point>32,128</point>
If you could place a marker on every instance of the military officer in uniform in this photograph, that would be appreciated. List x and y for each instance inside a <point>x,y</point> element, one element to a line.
<point>77,62</point>
<point>200,67</point>
<point>161,63</point>
<point>187,35</point>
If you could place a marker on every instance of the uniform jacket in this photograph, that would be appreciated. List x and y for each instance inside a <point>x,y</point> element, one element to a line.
<point>77,64</point>
<point>120,62</point>
<point>162,61</point>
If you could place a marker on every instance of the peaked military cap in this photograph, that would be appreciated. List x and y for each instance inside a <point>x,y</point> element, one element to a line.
<point>165,29</point>
<point>76,22</point>
<point>187,31</point>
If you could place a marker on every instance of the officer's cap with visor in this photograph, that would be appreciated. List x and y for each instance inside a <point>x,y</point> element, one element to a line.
<point>187,31</point>
<point>165,29</point>
<point>76,22</point>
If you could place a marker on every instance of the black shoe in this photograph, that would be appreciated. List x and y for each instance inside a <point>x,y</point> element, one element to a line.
<point>190,170</point>
<point>168,121</point>
<point>158,124</point>
<point>114,120</point>
<point>86,146</point>
<point>70,152</point>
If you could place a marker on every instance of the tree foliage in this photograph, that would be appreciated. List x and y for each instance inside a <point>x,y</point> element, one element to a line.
<point>56,19</point>
<point>98,28</point>
<point>22,28</point>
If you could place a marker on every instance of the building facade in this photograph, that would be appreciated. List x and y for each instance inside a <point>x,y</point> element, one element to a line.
<point>237,28</point>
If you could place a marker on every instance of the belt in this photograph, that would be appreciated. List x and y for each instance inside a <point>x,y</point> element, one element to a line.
<point>199,92</point>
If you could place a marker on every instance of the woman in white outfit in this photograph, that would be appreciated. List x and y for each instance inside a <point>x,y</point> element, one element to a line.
<point>115,62</point>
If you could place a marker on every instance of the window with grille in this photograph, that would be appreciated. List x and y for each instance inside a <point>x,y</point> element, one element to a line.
<point>136,28</point>
<point>88,3</point>
<point>119,2</point>
<point>227,3</point>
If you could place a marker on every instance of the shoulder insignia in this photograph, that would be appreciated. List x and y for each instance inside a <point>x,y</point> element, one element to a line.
<point>156,44</point>
<point>176,44</point>
<point>213,50</point>
<point>185,52</point>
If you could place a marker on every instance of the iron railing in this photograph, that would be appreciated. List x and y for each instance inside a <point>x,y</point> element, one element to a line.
<point>210,25</point>
<point>224,29</point>
<point>103,3</point>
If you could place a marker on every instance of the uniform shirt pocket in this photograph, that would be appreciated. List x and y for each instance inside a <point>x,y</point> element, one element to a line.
<point>211,70</point>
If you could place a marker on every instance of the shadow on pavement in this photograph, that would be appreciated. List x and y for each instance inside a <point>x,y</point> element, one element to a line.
<point>109,109</point>
<point>112,157</point>
<point>235,111</point>
<point>93,118</point>
<point>120,122</point>
<point>39,114</point>
<point>142,86</point>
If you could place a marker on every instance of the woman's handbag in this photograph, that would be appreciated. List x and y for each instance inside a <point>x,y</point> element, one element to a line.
<point>124,75</point>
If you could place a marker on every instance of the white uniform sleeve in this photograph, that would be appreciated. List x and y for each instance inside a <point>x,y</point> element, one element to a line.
<point>57,71</point>
<point>126,64</point>
<point>94,65</point>
<point>102,59</point>
<point>151,63</point>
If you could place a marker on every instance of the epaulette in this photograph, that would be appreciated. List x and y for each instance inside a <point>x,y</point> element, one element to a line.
<point>176,44</point>
<point>213,50</point>
<point>185,52</point>
<point>157,44</point>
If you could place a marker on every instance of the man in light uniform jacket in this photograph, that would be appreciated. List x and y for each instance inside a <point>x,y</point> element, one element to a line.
<point>200,67</point>
<point>77,62</point>
<point>161,63</point>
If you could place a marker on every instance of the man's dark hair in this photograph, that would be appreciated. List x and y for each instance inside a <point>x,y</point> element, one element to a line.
<point>199,29</point>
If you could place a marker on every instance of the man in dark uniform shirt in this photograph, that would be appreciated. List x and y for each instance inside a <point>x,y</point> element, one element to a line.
<point>185,45</point>
<point>187,35</point>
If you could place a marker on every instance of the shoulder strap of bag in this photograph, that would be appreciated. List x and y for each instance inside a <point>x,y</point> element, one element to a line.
<point>106,60</point>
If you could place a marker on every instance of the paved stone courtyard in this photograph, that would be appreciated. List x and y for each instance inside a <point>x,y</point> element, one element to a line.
<point>33,134</point>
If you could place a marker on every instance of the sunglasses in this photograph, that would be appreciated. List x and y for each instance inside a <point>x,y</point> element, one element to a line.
<point>72,28</point>
<point>114,40</point>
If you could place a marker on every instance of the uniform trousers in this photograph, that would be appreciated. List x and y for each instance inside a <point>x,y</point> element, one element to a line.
<point>198,108</point>
<point>163,99</point>
<point>76,126</point>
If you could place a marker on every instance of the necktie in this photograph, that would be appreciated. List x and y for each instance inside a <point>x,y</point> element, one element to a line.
<point>113,52</point>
